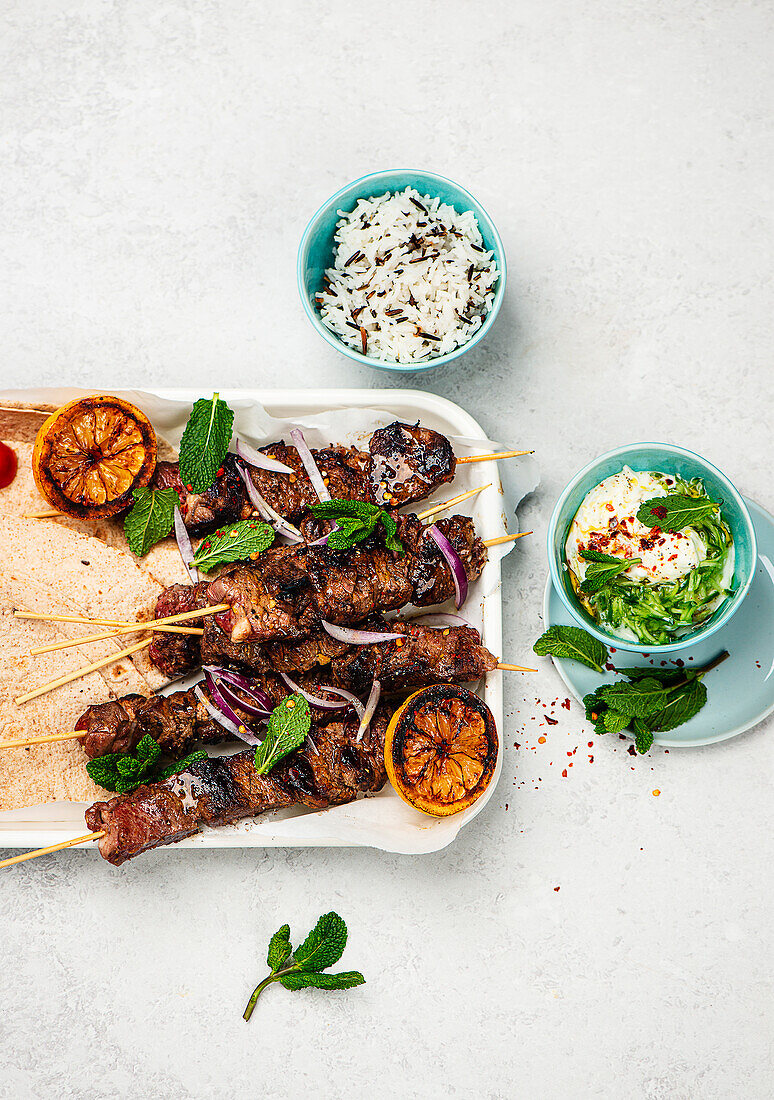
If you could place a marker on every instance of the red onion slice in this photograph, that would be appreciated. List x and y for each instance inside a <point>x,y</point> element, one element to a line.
<point>258,706</point>
<point>459,576</point>
<point>315,700</point>
<point>357,637</point>
<point>259,699</point>
<point>266,512</point>
<point>183,540</point>
<point>370,707</point>
<point>261,461</point>
<point>310,465</point>
<point>440,620</point>
<point>235,728</point>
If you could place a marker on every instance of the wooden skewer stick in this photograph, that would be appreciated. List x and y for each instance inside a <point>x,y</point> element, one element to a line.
<point>450,503</point>
<point>51,848</point>
<point>22,742</point>
<point>84,671</point>
<point>514,668</point>
<point>137,628</point>
<point>506,538</point>
<point>494,457</point>
<point>42,515</point>
<point>151,624</point>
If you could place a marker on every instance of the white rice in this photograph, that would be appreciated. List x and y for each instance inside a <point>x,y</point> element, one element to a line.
<point>412,254</point>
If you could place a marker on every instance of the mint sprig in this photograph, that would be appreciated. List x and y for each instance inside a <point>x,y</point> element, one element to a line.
<point>676,511</point>
<point>602,568</point>
<point>355,521</point>
<point>303,968</point>
<point>150,519</point>
<point>205,443</point>
<point>124,772</point>
<point>235,542</point>
<point>573,643</point>
<point>288,725</point>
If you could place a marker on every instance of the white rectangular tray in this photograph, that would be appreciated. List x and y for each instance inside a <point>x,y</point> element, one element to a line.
<point>383,821</point>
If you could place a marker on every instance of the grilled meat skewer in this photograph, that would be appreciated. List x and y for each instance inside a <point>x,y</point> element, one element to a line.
<point>332,768</point>
<point>404,463</point>
<point>179,721</point>
<point>286,592</point>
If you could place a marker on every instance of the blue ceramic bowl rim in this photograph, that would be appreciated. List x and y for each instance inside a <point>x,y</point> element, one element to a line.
<point>384,364</point>
<point>611,639</point>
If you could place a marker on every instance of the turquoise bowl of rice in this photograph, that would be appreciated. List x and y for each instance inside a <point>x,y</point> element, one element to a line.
<point>402,270</point>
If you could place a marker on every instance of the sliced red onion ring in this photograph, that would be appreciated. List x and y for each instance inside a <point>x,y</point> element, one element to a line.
<point>261,461</point>
<point>261,701</point>
<point>357,637</point>
<point>265,510</point>
<point>370,707</point>
<point>255,707</point>
<point>459,576</point>
<point>184,546</point>
<point>441,619</point>
<point>235,728</point>
<point>310,465</point>
<point>315,700</point>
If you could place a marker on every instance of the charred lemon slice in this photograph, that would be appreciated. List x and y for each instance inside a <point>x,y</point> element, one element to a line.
<point>440,749</point>
<point>91,454</point>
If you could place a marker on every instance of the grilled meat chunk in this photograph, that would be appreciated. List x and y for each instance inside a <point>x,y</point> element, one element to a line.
<point>267,601</point>
<point>405,463</point>
<point>332,768</point>
<point>175,654</point>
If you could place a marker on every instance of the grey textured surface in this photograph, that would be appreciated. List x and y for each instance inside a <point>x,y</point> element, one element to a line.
<point>158,163</point>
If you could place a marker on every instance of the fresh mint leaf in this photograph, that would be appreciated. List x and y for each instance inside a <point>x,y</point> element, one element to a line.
<point>637,699</point>
<point>602,568</point>
<point>343,509</point>
<point>666,676</point>
<point>150,519</point>
<point>676,511</point>
<point>643,736</point>
<point>348,980</point>
<point>289,724</point>
<point>598,556</point>
<point>324,945</point>
<point>236,542</point>
<point>279,948</point>
<point>301,969</point>
<point>683,704</point>
<point>391,540</point>
<point>614,722</point>
<point>124,772</point>
<point>181,765</point>
<point>205,442</point>
<point>356,520</point>
<point>148,751</point>
<point>572,643</point>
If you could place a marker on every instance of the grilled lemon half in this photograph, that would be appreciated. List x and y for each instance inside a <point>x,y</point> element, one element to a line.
<point>440,749</point>
<point>91,454</point>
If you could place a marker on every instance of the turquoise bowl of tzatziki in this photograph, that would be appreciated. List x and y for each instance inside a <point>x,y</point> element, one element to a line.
<point>651,547</point>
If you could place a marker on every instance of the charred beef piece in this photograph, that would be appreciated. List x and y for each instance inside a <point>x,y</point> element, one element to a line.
<point>224,502</point>
<point>431,576</point>
<point>175,654</point>
<point>333,767</point>
<point>409,463</point>
<point>405,463</point>
<point>179,721</point>
<point>269,599</point>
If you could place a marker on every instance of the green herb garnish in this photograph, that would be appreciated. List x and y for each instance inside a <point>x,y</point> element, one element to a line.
<point>573,643</point>
<point>236,542</point>
<point>124,772</point>
<point>151,518</point>
<point>602,569</point>
<point>289,724</point>
<point>676,511</point>
<point>302,968</point>
<point>355,521</point>
<point>205,443</point>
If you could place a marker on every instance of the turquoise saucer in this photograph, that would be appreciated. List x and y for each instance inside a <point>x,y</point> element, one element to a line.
<point>741,690</point>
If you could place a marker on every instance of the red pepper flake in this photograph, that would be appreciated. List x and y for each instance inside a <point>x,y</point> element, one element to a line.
<point>569,754</point>
<point>659,511</point>
<point>189,488</point>
<point>566,704</point>
<point>591,744</point>
<point>220,472</point>
<point>541,740</point>
<point>564,773</point>
<point>591,759</point>
<point>557,889</point>
<point>551,721</point>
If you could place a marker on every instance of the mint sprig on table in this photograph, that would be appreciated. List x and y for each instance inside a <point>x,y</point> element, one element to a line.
<point>124,772</point>
<point>676,511</point>
<point>602,569</point>
<point>652,700</point>
<point>288,726</point>
<point>355,521</point>
<point>205,443</point>
<point>151,518</point>
<point>303,967</point>
<point>235,542</point>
